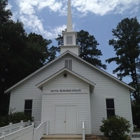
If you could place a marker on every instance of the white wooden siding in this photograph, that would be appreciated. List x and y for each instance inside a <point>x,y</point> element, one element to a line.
<point>28,90</point>
<point>81,100</point>
<point>69,82</point>
<point>105,87</point>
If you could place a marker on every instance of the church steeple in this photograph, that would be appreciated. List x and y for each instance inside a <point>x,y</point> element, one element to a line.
<point>69,36</point>
<point>69,18</point>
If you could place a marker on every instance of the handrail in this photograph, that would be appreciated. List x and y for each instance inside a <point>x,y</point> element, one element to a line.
<point>83,130</point>
<point>13,127</point>
<point>39,131</point>
<point>20,133</point>
<point>39,125</point>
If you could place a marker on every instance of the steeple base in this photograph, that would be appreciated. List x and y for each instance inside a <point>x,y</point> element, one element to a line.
<point>74,49</point>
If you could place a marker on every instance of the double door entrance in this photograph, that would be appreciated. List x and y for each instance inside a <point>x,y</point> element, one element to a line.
<point>66,119</point>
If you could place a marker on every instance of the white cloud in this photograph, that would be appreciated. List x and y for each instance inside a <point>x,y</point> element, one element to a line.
<point>9,6</point>
<point>58,30</point>
<point>52,4</point>
<point>36,25</point>
<point>28,11</point>
<point>102,7</point>
<point>28,15</point>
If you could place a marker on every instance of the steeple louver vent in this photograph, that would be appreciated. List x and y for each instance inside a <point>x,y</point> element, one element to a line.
<point>68,64</point>
<point>69,40</point>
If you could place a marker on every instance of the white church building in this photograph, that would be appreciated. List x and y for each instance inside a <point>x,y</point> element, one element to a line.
<point>69,90</point>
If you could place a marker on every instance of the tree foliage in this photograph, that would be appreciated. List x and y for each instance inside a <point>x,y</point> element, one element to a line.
<point>20,53</point>
<point>126,44</point>
<point>5,14</point>
<point>14,118</point>
<point>127,47</point>
<point>88,48</point>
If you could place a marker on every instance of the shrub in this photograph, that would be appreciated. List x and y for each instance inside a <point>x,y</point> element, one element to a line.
<point>136,129</point>
<point>14,118</point>
<point>115,128</point>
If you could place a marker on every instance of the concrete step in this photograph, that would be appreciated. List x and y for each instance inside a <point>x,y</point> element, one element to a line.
<point>62,137</point>
<point>69,137</point>
<point>92,137</point>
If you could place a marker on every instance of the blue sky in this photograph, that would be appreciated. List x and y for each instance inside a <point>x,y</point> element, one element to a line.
<point>98,17</point>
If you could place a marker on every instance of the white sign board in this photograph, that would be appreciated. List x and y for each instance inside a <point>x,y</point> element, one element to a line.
<point>135,136</point>
<point>75,90</point>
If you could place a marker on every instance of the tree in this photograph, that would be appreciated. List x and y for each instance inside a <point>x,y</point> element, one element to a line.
<point>39,51</point>
<point>88,48</point>
<point>127,47</point>
<point>4,14</point>
<point>20,53</point>
<point>4,17</point>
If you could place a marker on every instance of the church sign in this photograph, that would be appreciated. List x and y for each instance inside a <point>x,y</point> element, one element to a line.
<point>135,136</point>
<point>67,90</point>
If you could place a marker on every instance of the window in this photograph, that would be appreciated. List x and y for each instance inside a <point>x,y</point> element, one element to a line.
<point>28,107</point>
<point>68,39</point>
<point>110,107</point>
<point>68,64</point>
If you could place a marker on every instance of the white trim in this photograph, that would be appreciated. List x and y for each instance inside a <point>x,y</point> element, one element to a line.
<point>32,105</point>
<point>89,110</point>
<point>8,90</point>
<point>42,105</point>
<point>45,92</point>
<point>68,52</point>
<point>109,97</point>
<point>39,85</point>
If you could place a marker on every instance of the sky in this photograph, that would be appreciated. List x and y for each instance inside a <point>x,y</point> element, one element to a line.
<point>98,17</point>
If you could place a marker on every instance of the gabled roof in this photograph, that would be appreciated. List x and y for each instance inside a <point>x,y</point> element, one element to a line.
<point>39,85</point>
<point>68,52</point>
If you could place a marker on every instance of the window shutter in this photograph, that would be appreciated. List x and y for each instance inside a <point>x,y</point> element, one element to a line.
<point>68,64</point>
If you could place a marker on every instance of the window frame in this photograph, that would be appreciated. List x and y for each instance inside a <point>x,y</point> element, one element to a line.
<point>28,109</point>
<point>106,109</point>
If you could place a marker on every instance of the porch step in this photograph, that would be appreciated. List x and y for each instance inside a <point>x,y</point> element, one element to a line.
<point>92,137</point>
<point>69,137</point>
<point>61,137</point>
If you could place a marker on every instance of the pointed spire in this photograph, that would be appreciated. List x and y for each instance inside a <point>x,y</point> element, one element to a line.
<point>69,36</point>
<point>69,18</point>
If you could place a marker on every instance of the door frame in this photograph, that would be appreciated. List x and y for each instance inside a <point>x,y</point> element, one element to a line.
<point>76,115</point>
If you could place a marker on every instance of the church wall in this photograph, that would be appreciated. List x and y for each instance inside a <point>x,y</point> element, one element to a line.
<point>105,87</point>
<point>57,97</point>
<point>28,90</point>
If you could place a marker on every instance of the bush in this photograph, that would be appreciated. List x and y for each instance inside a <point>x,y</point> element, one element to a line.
<point>136,129</point>
<point>115,128</point>
<point>14,118</point>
